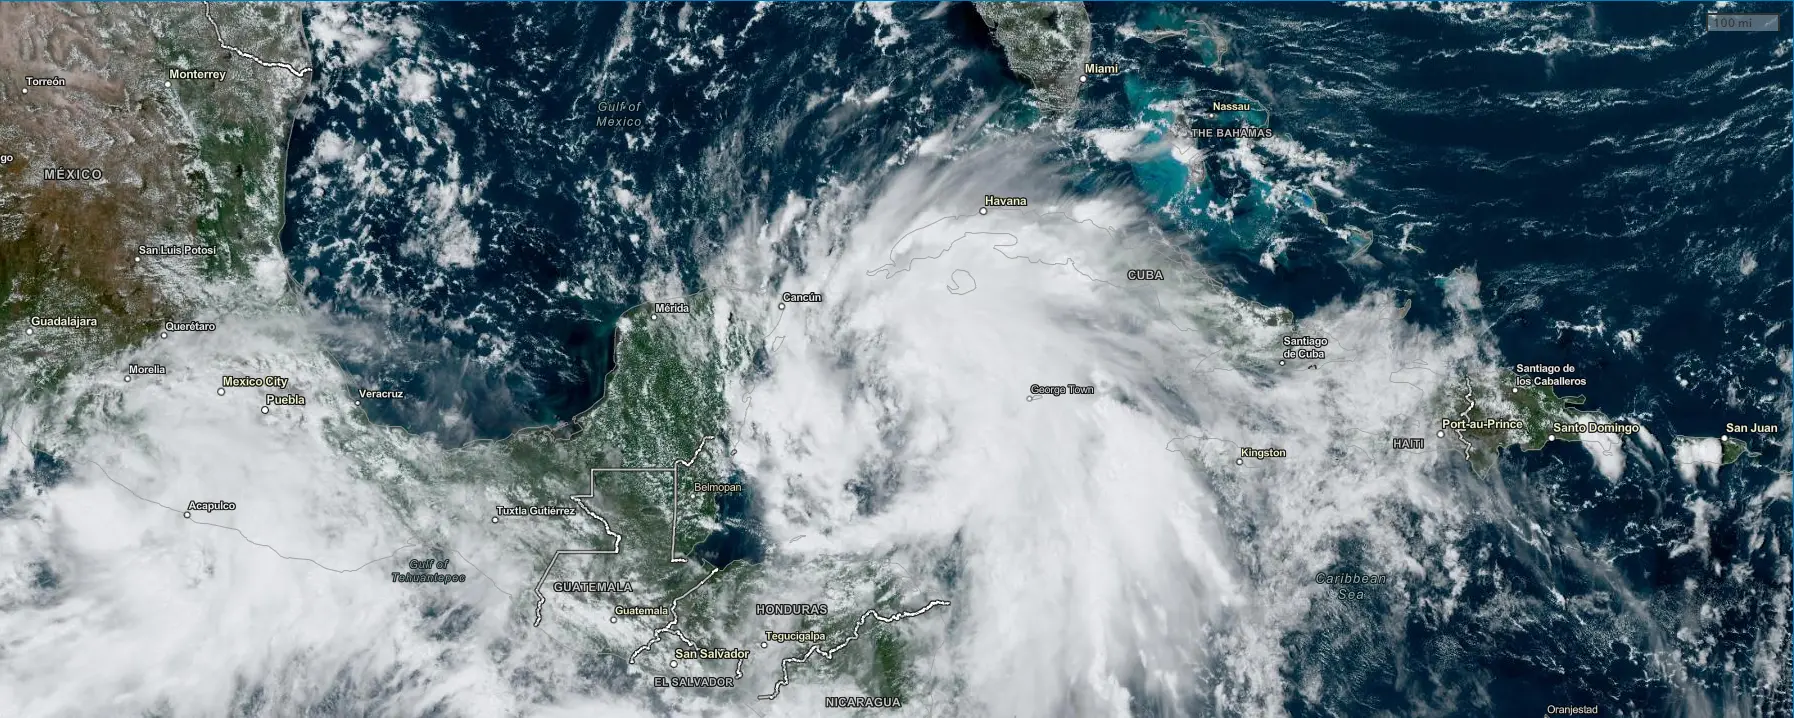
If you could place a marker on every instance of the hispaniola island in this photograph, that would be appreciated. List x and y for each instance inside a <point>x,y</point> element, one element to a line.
<point>1035,360</point>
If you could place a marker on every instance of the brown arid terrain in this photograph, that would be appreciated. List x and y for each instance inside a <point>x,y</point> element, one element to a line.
<point>137,156</point>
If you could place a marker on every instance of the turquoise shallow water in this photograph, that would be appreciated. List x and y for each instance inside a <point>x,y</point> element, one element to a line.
<point>1607,173</point>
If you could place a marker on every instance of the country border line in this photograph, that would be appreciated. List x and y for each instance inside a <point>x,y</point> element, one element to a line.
<point>785,664</point>
<point>300,73</point>
<point>673,623</point>
<point>617,538</point>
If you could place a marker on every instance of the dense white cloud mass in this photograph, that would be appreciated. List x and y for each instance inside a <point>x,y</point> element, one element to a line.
<point>1102,551</point>
<point>1106,549</point>
<point>118,599</point>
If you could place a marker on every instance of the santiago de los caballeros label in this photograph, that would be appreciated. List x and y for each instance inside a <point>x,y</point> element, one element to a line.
<point>1551,374</point>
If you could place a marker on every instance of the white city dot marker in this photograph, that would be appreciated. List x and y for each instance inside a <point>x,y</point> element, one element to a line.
<point>164,335</point>
<point>1551,437</point>
<point>221,391</point>
<point>186,514</point>
<point>1239,462</point>
<point>264,410</point>
<point>168,83</point>
<point>781,306</point>
<point>1516,390</point>
<point>1083,78</point>
<point>495,519</point>
<point>762,644</point>
<point>30,330</point>
<point>1441,433</point>
<point>127,377</point>
<point>673,663</point>
<point>983,210</point>
<point>613,619</point>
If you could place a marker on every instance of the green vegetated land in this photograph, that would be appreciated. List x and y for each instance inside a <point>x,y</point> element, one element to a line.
<point>665,395</point>
<point>1539,410</point>
<point>160,161</point>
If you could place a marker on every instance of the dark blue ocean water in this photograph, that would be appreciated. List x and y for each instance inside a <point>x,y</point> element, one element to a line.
<point>520,338</point>
<point>739,538</point>
<point>1616,179</point>
<point>1619,182</point>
